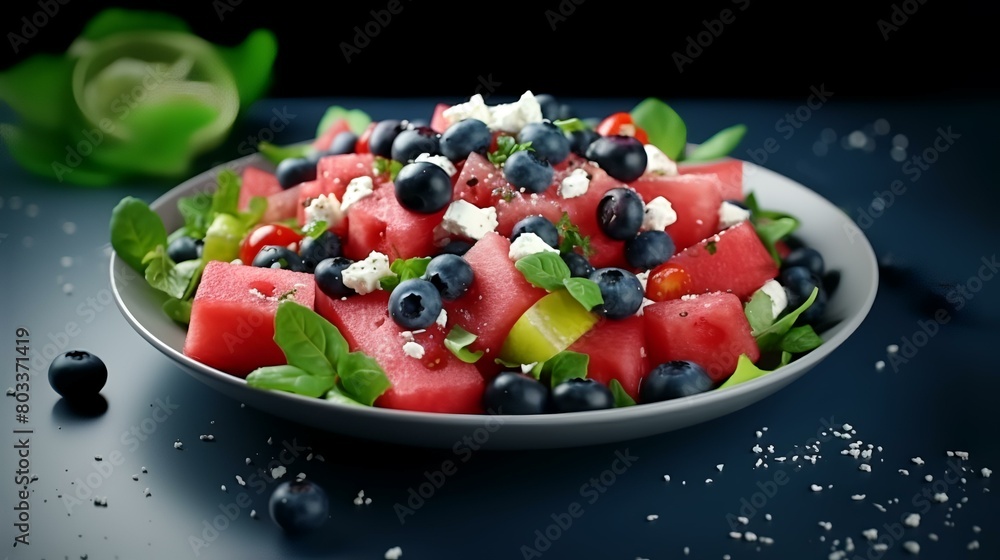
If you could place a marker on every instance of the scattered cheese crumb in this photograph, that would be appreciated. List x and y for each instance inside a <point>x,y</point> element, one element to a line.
<point>393,553</point>
<point>240,481</point>
<point>932,536</point>
<point>206,437</point>
<point>826,525</point>
<point>652,517</point>
<point>363,276</point>
<point>816,488</point>
<point>963,455</point>
<point>865,467</point>
<point>858,497</point>
<point>687,551</point>
<point>666,477</point>
<point>986,472</point>
<point>941,497</point>
<point>767,516</point>
<point>575,184</point>
<point>912,547</point>
<point>743,520</point>
<point>870,534</point>
<point>928,477</point>
<point>708,481</point>
<point>278,472</point>
<point>253,514</point>
<point>440,161</point>
<point>359,188</point>
<point>917,461</point>
<point>904,472</point>
<point>178,444</point>
<point>720,466</point>
<point>766,540</point>
<point>974,545</point>
<point>912,520</point>
<point>879,507</point>
<point>750,536</point>
<point>892,348</point>
<point>735,535</point>
<point>224,488</point>
<point>413,350</point>
<point>442,319</point>
<point>528,244</point>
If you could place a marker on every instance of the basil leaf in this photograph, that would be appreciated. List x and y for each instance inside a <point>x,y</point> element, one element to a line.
<point>291,380</point>
<point>165,275</point>
<point>457,342</point>
<point>564,366</point>
<point>197,213</point>
<point>386,166</point>
<point>585,291</point>
<point>405,269</point>
<point>178,309</point>
<point>309,341</point>
<point>315,229</point>
<point>276,154</point>
<point>622,398</point>
<point>357,120</point>
<point>770,338</point>
<point>135,231</point>
<point>571,125</point>
<point>362,378</point>
<point>800,339</point>
<point>759,312</point>
<point>544,270</point>
<point>665,128</point>
<point>772,231</point>
<point>335,394</point>
<point>745,371</point>
<point>227,196</point>
<point>719,145</point>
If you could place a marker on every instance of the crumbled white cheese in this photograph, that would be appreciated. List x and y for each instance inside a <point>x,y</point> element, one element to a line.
<point>178,444</point>
<point>363,276</point>
<point>973,545</point>
<point>735,535</point>
<point>658,162</point>
<point>912,547</point>
<point>720,467</point>
<point>826,525</point>
<point>816,488</point>
<point>917,461</point>
<point>474,108</point>
<point>865,467</point>
<point>440,161</point>
<point>442,319</point>
<point>643,278</point>
<point>986,472</point>
<point>575,184</point>
<point>512,117</point>
<point>528,244</point>
<point>278,472</point>
<point>466,219</point>
<point>731,214</point>
<point>743,520</point>
<point>526,368</point>
<point>870,534</point>
<point>658,214</point>
<point>912,520</point>
<point>858,497</point>
<point>325,208</point>
<point>941,497</point>
<point>413,350</point>
<point>395,552</point>
<point>652,517</point>
<point>357,189</point>
<point>750,536</point>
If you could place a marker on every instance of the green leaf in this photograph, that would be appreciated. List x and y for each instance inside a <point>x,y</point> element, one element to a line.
<point>309,341</point>
<point>357,119</point>
<point>719,145</point>
<point>786,358</point>
<point>40,92</point>
<point>178,309</point>
<point>227,196</point>
<point>665,128</point>
<point>800,339</point>
<point>276,154</point>
<point>585,291</point>
<point>564,366</point>
<point>255,211</point>
<point>621,397</point>
<point>759,312</point>
<point>135,231</point>
<point>197,213</point>
<point>570,237</point>
<point>571,125</point>
<point>506,146</point>
<point>251,63</point>
<point>335,394</point>
<point>361,378</point>
<point>163,274</point>
<point>772,231</point>
<point>544,270</point>
<point>745,371</point>
<point>458,341</point>
<point>770,338</point>
<point>386,166</point>
<point>405,269</point>
<point>315,229</point>
<point>118,20</point>
<point>291,379</point>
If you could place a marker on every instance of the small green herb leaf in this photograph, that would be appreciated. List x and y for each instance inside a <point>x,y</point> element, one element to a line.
<point>564,366</point>
<point>197,213</point>
<point>356,119</point>
<point>544,270</point>
<point>585,291</point>
<point>759,311</point>
<point>361,378</point>
<point>458,341</point>
<point>291,380</point>
<point>571,125</point>
<point>506,146</point>
<point>770,338</point>
<point>178,309</point>
<point>800,339</point>
<point>383,166</point>
<point>276,154</point>
<point>314,229</point>
<point>405,269</point>
<point>570,237</point>
<point>710,247</point>
<point>745,371</point>
<point>255,211</point>
<point>309,341</point>
<point>622,398</point>
<point>135,231</point>
<point>772,231</point>
<point>719,145</point>
<point>165,275</point>
<point>665,128</point>
<point>227,196</point>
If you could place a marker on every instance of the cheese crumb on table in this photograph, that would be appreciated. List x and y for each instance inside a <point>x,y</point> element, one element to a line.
<point>393,553</point>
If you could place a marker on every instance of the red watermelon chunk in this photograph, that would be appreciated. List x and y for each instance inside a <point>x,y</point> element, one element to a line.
<point>710,330</point>
<point>435,382</point>
<point>438,122</point>
<point>695,199</point>
<point>582,211</point>
<point>616,349</point>
<point>477,181</point>
<point>378,222</point>
<point>254,181</point>
<point>284,205</point>
<point>728,171</point>
<point>734,260</point>
<point>232,315</point>
<point>333,173</point>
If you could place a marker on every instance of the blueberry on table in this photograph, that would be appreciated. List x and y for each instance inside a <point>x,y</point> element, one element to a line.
<point>423,187</point>
<point>547,140</point>
<point>450,274</point>
<point>415,304</point>
<point>621,291</point>
<point>292,171</point>
<point>465,137</point>
<point>298,507</point>
<point>580,140</point>
<point>620,213</point>
<point>512,392</point>
<point>184,248</point>
<point>672,380</point>
<point>649,249</point>
<point>799,283</point>
<point>807,257</point>
<point>526,170</point>
<point>77,374</point>
<point>579,266</point>
<point>540,226</point>
<point>383,135</point>
<point>578,395</point>
<point>330,279</point>
<point>412,142</point>
<point>623,157</point>
<point>314,250</point>
<point>277,256</point>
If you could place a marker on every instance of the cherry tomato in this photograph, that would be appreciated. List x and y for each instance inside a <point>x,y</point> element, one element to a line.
<point>667,281</point>
<point>268,234</point>
<point>362,146</point>
<point>621,124</point>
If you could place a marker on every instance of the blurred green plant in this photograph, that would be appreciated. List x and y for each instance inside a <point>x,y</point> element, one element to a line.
<point>137,94</point>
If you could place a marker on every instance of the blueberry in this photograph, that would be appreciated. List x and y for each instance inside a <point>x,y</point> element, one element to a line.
<point>512,392</point>
<point>540,226</point>
<point>550,106</point>
<point>577,395</point>
<point>799,283</point>
<point>807,257</point>
<point>184,248</point>
<point>620,213</point>
<point>456,247</point>
<point>621,290</point>
<point>330,279</point>
<point>525,170</point>
<point>465,137</point>
<point>277,256</point>
<point>298,507</point>
<point>423,187</point>
<point>672,380</point>
<point>450,274</point>
<point>412,142</point>
<point>415,304</point>
<point>547,140</point>
<point>292,171</point>
<point>77,375</point>
<point>649,249</point>
<point>580,140</point>
<point>312,251</point>
<point>579,266</point>
<point>343,143</point>
<point>383,135</point>
<point>623,157</point>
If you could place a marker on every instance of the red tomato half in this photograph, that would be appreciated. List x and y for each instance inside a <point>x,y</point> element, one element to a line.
<point>362,145</point>
<point>268,234</point>
<point>621,124</point>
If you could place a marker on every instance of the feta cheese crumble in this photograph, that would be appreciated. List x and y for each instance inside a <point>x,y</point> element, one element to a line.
<point>325,208</point>
<point>393,553</point>
<point>912,547</point>
<point>575,184</point>
<point>413,350</point>
<point>779,298</point>
<point>912,520</point>
<point>507,117</point>
<point>442,319</point>
<point>357,189</point>
<point>731,214</point>
<point>657,162</point>
<point>363,276</point>
<point>466,219</point>
<point>440,161</point>
<point>658,214</point>
<point>528,244</point>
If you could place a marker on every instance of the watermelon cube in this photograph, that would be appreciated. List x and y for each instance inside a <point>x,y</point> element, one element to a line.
<point>728,171</point>
<point>232,315</point>
<point>616,350</point>
<point>710,330</point>
<point>695,199</point>
<point>255,181</point>
<point>284,205</point>
<point>733,260</point>
<point>430,380</point>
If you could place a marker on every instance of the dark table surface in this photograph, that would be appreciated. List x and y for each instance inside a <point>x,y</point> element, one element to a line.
<point>938,242</point>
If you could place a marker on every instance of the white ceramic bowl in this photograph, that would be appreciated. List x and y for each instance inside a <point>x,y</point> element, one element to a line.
<point>824,227</point>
